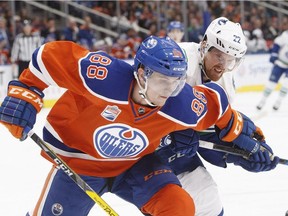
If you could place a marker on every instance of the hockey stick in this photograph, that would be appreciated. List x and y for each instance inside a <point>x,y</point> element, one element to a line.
<point>232,150</point>
<point>74,176</point>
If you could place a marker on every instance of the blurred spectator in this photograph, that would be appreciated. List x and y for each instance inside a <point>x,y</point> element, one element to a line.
<point>106,7</point>
<point>175,31</point>
<point>37,24</point>
<point>24,45</point>
<point>247,35</point>
<point>86,35</point>
<point>104,44</point>
<point>4,42</point>
<point>126,45</point>
<point>257,44</point>
<point>153,29</point>
<point>195,31</point>
<point>145,15</point>
<point>247,29</point>
<point>271,31</point>
<point>153,16</point>
<point>70,32</point>
<point>24,14</point>
<point>118,49</point>
<point>18,24</point>
<point>133,41</point>
<point>50,33</point>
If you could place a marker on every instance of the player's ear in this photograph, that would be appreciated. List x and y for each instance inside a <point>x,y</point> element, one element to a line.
<point>203,46</point>
<point>141,76</point>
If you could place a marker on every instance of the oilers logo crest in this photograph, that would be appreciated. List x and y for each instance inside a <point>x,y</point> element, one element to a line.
<point>119,141</point>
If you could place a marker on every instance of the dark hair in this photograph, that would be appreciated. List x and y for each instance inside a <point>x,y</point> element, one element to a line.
<point>26,22</point>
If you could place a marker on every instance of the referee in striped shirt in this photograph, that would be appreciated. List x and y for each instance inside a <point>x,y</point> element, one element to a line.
<point>24,45</point>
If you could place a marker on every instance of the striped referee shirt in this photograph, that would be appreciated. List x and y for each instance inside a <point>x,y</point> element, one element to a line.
<point>24,46</point>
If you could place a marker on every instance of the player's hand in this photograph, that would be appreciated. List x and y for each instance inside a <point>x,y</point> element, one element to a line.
<point>243,133</point>
<point>184,142</point>
<point>19,108</point>
<point>261,161</point>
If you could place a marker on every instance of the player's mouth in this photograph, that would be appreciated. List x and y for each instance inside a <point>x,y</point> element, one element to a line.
<point>218,70</point>
<point>165,97</point>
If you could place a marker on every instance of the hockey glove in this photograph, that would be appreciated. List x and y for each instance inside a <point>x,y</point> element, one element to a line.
<point>185,142</point>
<point>242,132</point>
<point>273,59</point>
<point>274,53</point>
<point>20,107</point>
<point>257,162</point>
<point>216,158</point>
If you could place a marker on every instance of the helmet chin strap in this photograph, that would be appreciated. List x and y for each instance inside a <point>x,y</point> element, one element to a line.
<point>201,64</point>
<point>142,92</point>
<point>203,70</point>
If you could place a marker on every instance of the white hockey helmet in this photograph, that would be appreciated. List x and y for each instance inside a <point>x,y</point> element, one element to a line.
<point>226,36</point>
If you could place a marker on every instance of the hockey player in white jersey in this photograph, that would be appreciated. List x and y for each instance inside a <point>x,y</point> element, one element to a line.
<point>214,59</point>
<point>279,57</point>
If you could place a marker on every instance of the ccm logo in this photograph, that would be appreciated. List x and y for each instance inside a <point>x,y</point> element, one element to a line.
<point>26,95</point>
<point>63,167</point>
<point>239,124</point>
<point>156,172</point>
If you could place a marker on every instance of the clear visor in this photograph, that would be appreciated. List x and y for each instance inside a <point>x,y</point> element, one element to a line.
<point>226,61</point>
<point>165,85</point>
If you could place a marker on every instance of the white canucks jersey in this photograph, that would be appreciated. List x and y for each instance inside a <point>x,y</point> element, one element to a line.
<point>281,40</point>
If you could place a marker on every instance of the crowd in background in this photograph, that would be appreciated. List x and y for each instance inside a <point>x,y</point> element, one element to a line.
<point>260,25</point>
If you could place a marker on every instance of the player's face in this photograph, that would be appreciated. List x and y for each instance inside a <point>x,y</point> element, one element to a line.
<point>161,87</point>
<point>27,29</point>
<point>217,62</point>
<point>176,35</point>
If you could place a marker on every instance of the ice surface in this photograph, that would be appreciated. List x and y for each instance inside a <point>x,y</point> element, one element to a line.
<point>23,170</point>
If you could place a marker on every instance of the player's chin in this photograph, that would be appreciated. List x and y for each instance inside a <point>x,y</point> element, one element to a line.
<point>160,101</point>
<point>216,76</point>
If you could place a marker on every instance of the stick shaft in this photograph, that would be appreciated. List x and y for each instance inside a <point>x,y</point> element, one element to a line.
<point>231,150</point>
<point>74,176</point>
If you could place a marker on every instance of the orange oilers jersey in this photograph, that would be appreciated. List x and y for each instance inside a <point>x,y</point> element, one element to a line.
<point>95,126</point>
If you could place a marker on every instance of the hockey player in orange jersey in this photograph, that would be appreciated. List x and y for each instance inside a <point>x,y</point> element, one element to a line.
<point>110,120</point>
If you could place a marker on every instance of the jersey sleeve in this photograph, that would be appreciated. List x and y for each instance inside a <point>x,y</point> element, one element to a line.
<point>281,39</point>
<point>56,63</point>
<point>218,110</point>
